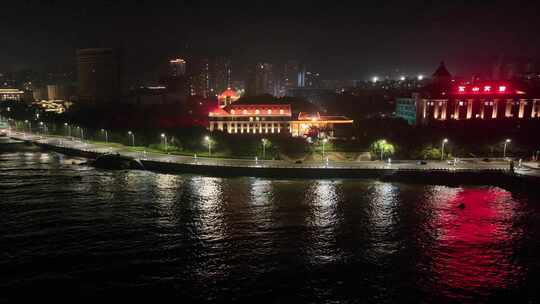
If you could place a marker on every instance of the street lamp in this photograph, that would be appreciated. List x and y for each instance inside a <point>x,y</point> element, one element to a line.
<point>209,143</point>
<point>383,142</point>
<point>132,135</point>
<point>506,142</point>
<point>106,135</point>
<point>323,143</point>
<point>264,141</point>
<point>442,148</point>
<point>43,128</point>
<point>165,139</point>
<point>68,127</point>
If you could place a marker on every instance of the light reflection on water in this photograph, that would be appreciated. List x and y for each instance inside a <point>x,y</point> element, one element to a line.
<point>472,250</point>
<point>209,238</point>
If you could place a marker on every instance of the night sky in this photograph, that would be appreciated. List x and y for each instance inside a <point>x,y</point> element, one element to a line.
<point>348,40</point>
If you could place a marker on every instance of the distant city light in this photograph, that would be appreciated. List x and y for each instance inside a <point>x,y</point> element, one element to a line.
<point>420,77</point>
<point>375,79</point>
<point>402,78</point>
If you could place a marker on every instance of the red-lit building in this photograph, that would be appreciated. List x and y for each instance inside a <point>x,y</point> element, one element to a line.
<point>272,119</point>
<point>227,97</point>
<point>445,99</point>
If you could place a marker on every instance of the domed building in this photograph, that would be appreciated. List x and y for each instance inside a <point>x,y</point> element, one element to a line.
<point>227,97</point>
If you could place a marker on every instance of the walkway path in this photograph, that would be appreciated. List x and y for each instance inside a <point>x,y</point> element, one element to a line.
<point>463,165</point>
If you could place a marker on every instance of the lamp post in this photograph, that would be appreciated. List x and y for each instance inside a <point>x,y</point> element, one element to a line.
<point>41,127</point>
<point>323,143</point>
<point>132,135</point>
<point>209,143</point>
<point>106,135</point>
<point>442,148</point>
<point>165,139</point>
<point>383,142</point>
<point>68,127</point>
<point>506,142</point>
<point>264,140</point>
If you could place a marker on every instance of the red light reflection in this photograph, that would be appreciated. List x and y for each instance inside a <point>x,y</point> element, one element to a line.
<point>471,250</point>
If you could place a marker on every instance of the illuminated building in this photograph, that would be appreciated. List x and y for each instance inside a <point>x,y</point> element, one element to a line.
<point>199,75</point>
<point>227,97</point>
<point>55,92</point>
<point>445,100</point>
<point>272,119</point>
<point>11,95</point>
<point>178,67</point>
<point>99,75</point>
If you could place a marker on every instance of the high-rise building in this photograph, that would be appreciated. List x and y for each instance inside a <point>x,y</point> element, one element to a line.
<point>313,80</point>
<point>220,74</point>
<point>260,79</point>
<point>199,76</point>
<point>308,79</point>
<point>99,74</point>
<point>291,70</point>
<point>177,67</point>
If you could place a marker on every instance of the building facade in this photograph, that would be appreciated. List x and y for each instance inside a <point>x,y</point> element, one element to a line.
<point>11,95</point>
<point>177,67</point>
<point>99,75</point>
<point>486,101</point>
<point>446,99</point>
<point>272,119</point>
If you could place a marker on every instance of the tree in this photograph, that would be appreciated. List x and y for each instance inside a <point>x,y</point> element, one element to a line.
<point>430,152</point>
<point>382,148</point>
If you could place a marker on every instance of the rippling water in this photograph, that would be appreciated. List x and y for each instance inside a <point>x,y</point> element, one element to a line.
<point>70,231</point>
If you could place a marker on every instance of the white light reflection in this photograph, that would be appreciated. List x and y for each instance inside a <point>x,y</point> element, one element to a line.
<point>168,191</point>
<point>208,196</point>
<point>261,207</point>
<point>324,198</point>
<point>383,216</point>
<point>261,192</point>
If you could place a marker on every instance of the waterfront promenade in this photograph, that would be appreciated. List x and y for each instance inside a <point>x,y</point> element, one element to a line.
<point>409,165</point>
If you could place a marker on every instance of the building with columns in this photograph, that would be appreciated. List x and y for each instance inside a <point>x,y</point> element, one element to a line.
<point>268,119</point>
<point>445,99</point>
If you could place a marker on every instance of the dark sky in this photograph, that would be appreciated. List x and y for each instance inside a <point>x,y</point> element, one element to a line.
<point>340,39</point>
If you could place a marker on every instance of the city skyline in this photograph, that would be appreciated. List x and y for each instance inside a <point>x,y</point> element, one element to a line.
<point>340,42</point>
